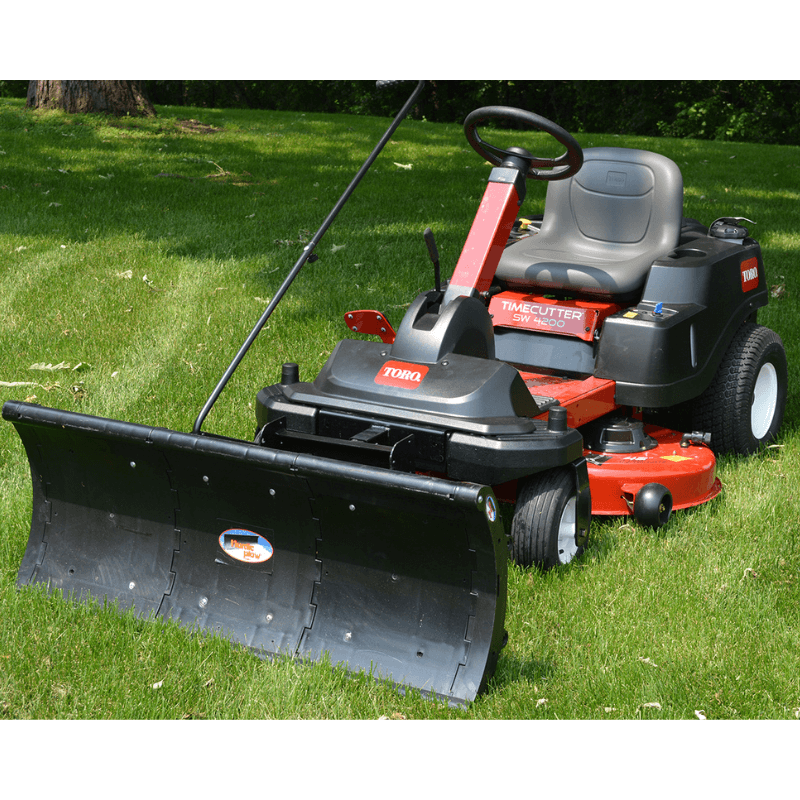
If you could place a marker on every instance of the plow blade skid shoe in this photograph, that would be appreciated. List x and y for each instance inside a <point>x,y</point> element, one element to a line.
<point>400,575</point>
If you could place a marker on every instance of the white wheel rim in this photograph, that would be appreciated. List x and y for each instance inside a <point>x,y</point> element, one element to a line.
<point>567,549</point>
<point>765,401</point>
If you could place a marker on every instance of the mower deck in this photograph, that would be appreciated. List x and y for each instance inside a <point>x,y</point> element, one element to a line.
<point>687,470</point>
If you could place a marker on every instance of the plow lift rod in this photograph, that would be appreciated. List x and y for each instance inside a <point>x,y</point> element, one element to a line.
<point>308,250</point>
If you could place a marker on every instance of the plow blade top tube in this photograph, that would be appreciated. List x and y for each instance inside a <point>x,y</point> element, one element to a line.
<point>396,574</point>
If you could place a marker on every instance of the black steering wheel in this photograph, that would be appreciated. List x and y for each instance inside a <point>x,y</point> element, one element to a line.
<point>541,169</point>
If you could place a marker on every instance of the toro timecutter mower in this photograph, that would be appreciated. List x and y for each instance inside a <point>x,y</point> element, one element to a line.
<point>588,361</point>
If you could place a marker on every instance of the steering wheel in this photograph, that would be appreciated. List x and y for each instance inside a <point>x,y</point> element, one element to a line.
<point>542,169</point>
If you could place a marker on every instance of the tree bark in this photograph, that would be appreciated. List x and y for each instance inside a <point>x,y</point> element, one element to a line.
<point>119,98</point>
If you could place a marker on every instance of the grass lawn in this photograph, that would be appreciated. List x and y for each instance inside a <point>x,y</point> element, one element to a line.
<point>135,256</point>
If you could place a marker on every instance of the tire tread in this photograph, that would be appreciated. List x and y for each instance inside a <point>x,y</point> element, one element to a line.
<point>723,410</point>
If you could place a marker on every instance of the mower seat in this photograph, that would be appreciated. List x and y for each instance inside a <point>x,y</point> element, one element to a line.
<point>602,228</point>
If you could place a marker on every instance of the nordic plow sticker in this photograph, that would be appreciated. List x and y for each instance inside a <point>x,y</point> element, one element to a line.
<point>245,546</point>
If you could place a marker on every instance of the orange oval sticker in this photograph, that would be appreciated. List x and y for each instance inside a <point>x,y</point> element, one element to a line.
<point>245,546</point>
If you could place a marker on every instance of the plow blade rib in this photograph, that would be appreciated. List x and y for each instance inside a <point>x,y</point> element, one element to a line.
<point>400,575</point>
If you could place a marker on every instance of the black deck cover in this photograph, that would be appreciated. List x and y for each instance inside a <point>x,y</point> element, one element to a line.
<point>397,574</point>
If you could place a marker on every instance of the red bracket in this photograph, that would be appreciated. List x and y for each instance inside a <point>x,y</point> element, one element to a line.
<point>370,322</point>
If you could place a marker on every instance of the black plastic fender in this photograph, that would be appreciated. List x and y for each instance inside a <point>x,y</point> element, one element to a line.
<point>667,348</point>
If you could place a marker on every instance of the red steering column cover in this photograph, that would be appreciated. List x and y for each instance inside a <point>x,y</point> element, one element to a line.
<point>487,238</point>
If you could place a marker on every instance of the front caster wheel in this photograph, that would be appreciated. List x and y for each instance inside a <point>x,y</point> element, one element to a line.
<point>652,505</point>
<point>545,530</point>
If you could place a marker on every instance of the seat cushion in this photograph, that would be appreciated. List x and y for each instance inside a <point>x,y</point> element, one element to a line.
<point>602,228</point>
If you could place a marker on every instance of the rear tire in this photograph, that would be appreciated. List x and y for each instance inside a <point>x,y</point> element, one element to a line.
<point>545,524</point>
<point>743,407</point>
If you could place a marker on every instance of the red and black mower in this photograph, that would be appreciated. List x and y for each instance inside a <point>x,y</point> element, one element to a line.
<point>591,360</point>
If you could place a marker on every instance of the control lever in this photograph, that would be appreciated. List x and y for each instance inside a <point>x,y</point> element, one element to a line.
<point>434,256</point>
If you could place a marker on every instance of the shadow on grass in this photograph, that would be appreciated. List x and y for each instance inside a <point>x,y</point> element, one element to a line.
<point>226,194</point>
<point>511,670</point>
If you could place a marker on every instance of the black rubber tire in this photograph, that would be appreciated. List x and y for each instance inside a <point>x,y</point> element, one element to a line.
<point>652,505</point>
<point>546,509</point>
<point>752,377</point>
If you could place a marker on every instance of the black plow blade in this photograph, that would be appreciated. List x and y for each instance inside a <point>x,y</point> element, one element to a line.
<point>400,575</point>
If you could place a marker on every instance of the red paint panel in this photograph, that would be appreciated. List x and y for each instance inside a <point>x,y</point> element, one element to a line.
<point>585,400</point>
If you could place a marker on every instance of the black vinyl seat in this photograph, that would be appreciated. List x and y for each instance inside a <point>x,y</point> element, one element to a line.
<point>602,228</point>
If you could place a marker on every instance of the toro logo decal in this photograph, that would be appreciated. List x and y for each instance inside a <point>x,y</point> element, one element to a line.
<point>749,274</point>
<point>403,376</point>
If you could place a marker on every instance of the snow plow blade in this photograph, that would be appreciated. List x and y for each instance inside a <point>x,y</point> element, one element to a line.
<point>396,574</point>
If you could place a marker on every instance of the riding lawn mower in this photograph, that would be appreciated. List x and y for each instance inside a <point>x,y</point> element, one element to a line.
<point>592,360</point>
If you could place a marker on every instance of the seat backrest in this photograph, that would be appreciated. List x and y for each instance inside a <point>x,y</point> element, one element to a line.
<point>621,201</point>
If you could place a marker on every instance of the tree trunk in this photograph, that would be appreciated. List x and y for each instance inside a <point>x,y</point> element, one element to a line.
<point>119,98</point>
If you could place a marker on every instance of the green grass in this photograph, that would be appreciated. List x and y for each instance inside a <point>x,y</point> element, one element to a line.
<point>145,250</point>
